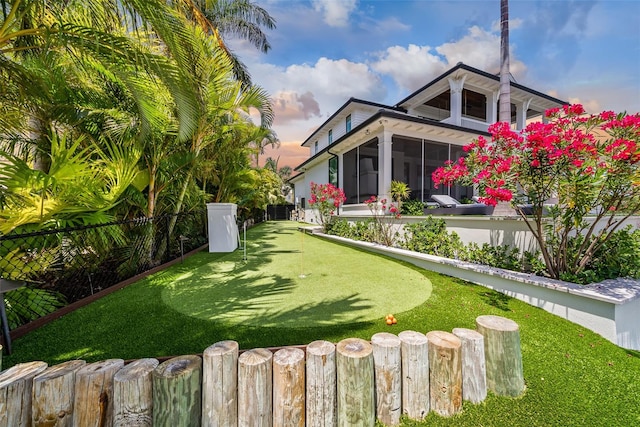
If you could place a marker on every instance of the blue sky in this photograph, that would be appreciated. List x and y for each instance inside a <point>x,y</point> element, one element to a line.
<point>325,51</point>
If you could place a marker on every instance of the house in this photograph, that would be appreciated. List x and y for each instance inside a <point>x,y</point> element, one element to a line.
<point>364,145</point>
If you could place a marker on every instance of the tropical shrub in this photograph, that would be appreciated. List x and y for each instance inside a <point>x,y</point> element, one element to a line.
<point>383,225</point>
<point>412,207</point>
<point>325,200</point>
<point>589,163</point>
<point>431,237</point>
<point>500,256</point>
<point>618,256</point>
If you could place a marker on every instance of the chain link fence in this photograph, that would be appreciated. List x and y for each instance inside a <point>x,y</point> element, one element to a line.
<point>65,265</point>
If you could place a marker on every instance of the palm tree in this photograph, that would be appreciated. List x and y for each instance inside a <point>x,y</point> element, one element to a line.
<point>223,101</point>
<point>505,86</point>
<point>231,18</point>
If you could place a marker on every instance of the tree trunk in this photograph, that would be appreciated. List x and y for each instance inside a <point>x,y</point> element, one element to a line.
<point>53,392</point>
<point>503,355</point>
<point>16,384</point>
<point>321,385</point>
<point>288,387</point>
<point>177,393</point>
<point>220,385</point>
<point>255,381</point>
<point>133,394</point>
<point>355,379</point>
<point>445,371</point>
<point>474,374</point>
<point>388,377</point>
<point>415,374</point>
<point>93,399</point>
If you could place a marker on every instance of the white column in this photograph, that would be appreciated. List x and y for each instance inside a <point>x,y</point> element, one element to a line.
<point>384,162</point>
<point>492,107</point>
<point>455,86</point>
<point>521,114</point>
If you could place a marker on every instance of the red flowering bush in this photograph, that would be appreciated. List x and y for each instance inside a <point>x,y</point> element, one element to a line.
<point>384,230</point>
<point>590,164</point>
<point>326,199</point>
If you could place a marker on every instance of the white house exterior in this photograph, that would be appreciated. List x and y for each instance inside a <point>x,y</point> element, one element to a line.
<point>364,145</point>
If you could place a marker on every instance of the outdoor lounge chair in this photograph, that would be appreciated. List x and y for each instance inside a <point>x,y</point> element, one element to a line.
<point>447,205</point>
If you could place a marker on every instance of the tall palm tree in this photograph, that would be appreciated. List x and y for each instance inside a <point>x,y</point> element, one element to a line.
<point>223,99</point>
<point>505,85</point>
<point>223,19</point>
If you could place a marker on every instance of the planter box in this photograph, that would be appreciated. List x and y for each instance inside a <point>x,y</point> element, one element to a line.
<point>609,308</point>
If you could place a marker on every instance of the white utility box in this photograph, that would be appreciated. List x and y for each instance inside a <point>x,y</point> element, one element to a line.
<point>223,229</point>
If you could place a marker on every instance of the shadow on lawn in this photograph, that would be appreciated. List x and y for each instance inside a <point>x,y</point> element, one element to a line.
<point>232,292</point>
<point>227,289</point>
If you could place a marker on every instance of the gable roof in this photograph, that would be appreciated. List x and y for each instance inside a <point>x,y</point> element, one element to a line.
<point>462,66</point>
<point>344,106</point>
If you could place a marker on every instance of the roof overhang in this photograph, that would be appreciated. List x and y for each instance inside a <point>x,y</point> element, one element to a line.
<point>400,124</point>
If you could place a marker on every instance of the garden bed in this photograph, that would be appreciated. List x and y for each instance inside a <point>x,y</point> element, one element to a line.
<point>608,308</point>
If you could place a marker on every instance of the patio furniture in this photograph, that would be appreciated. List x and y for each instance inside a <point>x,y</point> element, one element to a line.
<point>447,205</point>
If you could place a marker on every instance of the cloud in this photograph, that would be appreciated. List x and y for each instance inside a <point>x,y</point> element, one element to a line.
<point>304,95</point>
<point>335,12</point>
<point>414,66</point>
<point>410,67</point>
<point>289,106</point>
<point>514,23</point>
<point>328,82</point>
<point>480,49</point>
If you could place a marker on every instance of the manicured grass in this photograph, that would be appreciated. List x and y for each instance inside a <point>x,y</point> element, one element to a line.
<point>573,376</point>
<point>284,283</point>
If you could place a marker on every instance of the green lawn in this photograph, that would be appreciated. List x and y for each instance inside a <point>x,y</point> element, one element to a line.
<point>573,376</point>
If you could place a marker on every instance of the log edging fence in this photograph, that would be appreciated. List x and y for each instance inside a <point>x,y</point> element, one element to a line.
<point>353,382</point>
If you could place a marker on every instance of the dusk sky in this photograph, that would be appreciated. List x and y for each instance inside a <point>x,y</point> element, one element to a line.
<point>326,51</point>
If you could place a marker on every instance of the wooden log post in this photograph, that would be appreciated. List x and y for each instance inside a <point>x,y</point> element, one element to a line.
<point>16,384</point>
<point>255,399</point>
<point>445,373</point>
<point>321,385</point>
<point>355,381</point>
<point>415,374</point>
<point>474,374</point>
<point>289,388</point>
<point>53,392</point>
<point>388,377</point>
<point>93,393</point>
<point>133,394</point>
<point>177,392</point>
<point>503,354</point>
<point>220,385</point>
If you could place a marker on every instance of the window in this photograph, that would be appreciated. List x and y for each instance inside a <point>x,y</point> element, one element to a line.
<point>315,148</point>
<point>330,136</point>
<point>333,171</point>
<point>348,123</point>
<point>474,105</point>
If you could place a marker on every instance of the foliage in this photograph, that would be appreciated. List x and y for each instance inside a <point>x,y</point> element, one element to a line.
<point>325,199</point>
<point>431,237</point>
<point>618,256</point>
<point>359,230</point>
<point>384,226</point>
<point>27,304</point>
<point>399,191</point>
<point>500,256</point>
<point>412,207</point>
<point>589,163</point>
<point>80,186</point>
